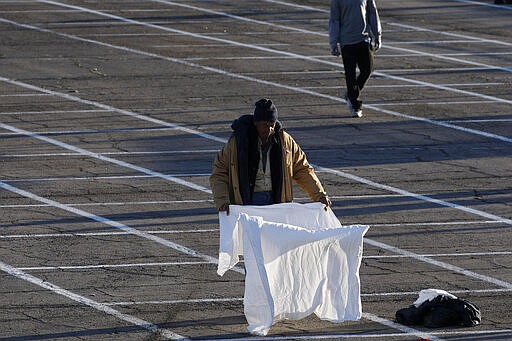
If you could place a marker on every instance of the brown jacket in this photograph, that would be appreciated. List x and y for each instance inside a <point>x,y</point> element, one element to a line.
<point>224,178</point>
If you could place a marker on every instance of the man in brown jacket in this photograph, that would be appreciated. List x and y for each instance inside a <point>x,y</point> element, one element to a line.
<point>259,162</point>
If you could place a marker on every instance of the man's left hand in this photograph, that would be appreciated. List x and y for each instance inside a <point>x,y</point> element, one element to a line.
<point>326,201</point>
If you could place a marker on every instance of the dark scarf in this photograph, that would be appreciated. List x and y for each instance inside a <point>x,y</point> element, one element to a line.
<point>249,158</point>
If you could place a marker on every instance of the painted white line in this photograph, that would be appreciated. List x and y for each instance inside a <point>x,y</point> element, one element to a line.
<point>443,124</point>
<point>391,86</point>
<point>383,336</point>
<point>189,301</point>
<point>346,175</point>
<point>92,131</point>
<point>418,196</point>
<point>108,266</point>
<point>440,264</point>
<point>463,254</point>
<point>400,327</point>
<point>114,233</point>
<point>452,59</point>
<point>104,106</point>
<point>98,234</point>
<point>51,112</point>
<point>239,299</point>
<point>115,224</point>
<point>428,103</point>
<point>438,70</point>
<point>430,42</point>
<point>484,4</point>
<point>214,261</point>
<point>229,74</point>
<point>273,51</point>
<point>209,45</point>
<point>148,265</point>
<point>259,22</point>
<point>455,292</point>
<point>479,121</point>
<point>89,178</point>
<point>86,301</point>
<point>203,189</point>
<point>162,152</point>
<point>106,158</point>
<point>24,95</point>
<point>39,11</point>
<point>444,223</point>
<point>410,27</point>
<point>123,203</point>
<point>170,34</point>
<point>438,202</point>
<point>465,54</point>
<point>430,70</point>
<point>463,36</point>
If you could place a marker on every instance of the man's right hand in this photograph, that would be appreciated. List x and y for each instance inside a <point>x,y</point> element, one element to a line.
<point>224,208</point>
<point>336,51</point>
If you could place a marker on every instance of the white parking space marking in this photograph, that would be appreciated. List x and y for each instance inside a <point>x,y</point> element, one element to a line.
<point>87,301</point>
<point>89,131</point>
<point>259,22</point>
<point>417,196</point>
<point>108,266</point>
<point>479,121</point>
<point>23,95</point>
<point>113,223</point>
<point>104,106</point>
<point>484,214</point>
<point>146,265</point>
<point>343,174</point>
<point>386,336</point>
<point>430,260</point>
<point>52,111</point>
<point>478,3</point>
<point>105,158</point>
<point>115,233</point>
<point>235,299</point>
<point>366,315</point>
<point>15,272</point>
<point>98,234</point>
<point>274,51</point>
<point>162,152</point>
<point>366,240</point>
<point>450,34</point>
<point>234,75</point>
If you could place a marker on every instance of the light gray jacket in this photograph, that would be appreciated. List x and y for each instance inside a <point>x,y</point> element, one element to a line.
<point>353,21</point>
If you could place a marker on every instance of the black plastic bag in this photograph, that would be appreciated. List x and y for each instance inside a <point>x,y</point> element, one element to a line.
<point>439,312</point>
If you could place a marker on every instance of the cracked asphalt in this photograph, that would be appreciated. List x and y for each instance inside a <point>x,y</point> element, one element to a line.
<point>111,113</point>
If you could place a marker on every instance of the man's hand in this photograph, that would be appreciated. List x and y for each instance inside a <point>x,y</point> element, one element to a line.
<point>326,201</point>
<point>376,44</point>
<point>336,51</point>
<point>224,208</point>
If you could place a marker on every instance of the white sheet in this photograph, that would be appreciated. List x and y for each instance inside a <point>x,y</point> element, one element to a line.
<point>311,215</point>
<point>293,271</point>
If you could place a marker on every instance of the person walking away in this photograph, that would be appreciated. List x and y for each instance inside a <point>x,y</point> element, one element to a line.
<point>354,26</point>
<point>259,162</point>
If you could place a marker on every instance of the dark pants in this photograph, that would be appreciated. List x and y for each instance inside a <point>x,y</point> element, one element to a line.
<point>361,56</point>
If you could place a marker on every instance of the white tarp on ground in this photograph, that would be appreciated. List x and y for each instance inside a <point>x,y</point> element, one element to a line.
<point>299,260</point>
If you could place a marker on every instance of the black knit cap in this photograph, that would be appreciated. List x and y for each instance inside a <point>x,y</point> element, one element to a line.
<point>265,110</point>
